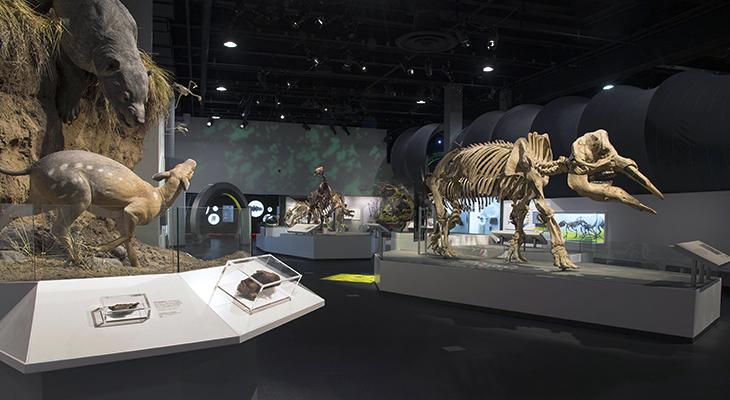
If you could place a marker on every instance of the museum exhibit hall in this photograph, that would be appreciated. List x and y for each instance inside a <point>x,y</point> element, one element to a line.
<point>383,199</point>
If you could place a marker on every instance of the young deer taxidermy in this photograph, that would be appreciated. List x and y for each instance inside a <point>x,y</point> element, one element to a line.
<point>73,181</point>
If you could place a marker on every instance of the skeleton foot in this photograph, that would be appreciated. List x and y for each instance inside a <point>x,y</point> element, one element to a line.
<point>514,254</point>
<point>561,258</point>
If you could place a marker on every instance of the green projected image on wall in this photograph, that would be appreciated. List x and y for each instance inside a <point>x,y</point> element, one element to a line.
<point>279,158</point>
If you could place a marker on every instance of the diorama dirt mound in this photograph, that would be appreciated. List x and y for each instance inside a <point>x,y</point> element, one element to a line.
<point>29,124</point>
<point>45,259</point>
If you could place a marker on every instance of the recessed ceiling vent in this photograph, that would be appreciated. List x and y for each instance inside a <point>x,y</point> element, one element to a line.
<point>426,36</point>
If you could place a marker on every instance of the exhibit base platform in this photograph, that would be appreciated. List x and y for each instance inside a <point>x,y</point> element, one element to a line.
<point>637,299</point>
<point>318,246</point>
<point>194,343</point>
<point>223,372</point>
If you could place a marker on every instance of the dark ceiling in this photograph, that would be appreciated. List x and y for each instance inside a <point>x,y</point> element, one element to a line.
<point>351,58</point>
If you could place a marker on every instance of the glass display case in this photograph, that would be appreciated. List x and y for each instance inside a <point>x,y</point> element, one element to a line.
<point>255,283</point>
<point>122,310</point>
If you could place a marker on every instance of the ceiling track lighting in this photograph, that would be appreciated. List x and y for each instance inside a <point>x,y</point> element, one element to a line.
<point>608,86</point>
<point>210,122</point>
<point>221,89</point>
<point>230,44</point>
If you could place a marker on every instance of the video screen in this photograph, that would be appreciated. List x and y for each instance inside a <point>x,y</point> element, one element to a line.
<point>582,227</point>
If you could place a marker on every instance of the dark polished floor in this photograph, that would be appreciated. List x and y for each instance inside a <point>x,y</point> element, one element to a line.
<point>369,345</point>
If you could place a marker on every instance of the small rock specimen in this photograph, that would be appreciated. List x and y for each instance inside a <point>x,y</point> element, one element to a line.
<point>122,309</point>
<point>248,288</point>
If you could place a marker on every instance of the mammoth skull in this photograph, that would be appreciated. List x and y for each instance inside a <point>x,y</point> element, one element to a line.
<point>594,162</point>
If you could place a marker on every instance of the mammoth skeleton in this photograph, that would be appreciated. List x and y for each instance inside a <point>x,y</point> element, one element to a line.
<point>519,172</point>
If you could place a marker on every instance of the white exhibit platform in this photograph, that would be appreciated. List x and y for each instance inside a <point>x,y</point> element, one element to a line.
<point>623,297</point>
<point>46,331</point>
<point>316,246</point>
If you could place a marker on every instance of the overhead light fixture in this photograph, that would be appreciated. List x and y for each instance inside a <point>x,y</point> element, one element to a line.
<point>608,87</point>
<point>491,44</point>
<point>315,62</point>
<point>215,117</point>
<point>439,141</point>
<point>243,124</point>
<point>320,21</point>
<point>243,114</point>
<point>210,122</point>
<point>282,116</point>
<point>258,102</point>
<point>276,100</point>
<point>221,88</point>
<point>420,101</point>
<point>326,109</point>
<point>230,44</point>
<point>363,67</point>
<point>488,68</point>
<point>463,39</point>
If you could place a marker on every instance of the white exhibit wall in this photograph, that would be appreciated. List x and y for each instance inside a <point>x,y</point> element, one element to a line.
<point>680,217</point>
<point>279,158</point>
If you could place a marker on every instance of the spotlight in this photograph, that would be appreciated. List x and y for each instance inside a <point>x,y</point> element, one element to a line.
<point>488,68</point>
<point>215,117</point>
<point>326,109</point>
<point>439,141</point>
<point>315,62</point>
<point>230,44</point>
<point>276,100</point>
<point>210,122</point>
<point>410,71</point>
<point>491,44</point>
<point>320,21</point>
<point>243,124</point>
<point>608,87</point>
<point>282,116</point>
<point>306,127</point>
<point>258,102</point>
<point>463,39</point>
<point>221,88</point>
<point>363,67</point>
<point>420,101</point>
<point>288,85</point>
<point>243,114</point>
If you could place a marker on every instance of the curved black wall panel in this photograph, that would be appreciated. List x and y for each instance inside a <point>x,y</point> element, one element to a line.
<point>416,152</point>
<point>398,158</point>
<point>482,128</point>
<point>516,122</point>
<point>688,132</point>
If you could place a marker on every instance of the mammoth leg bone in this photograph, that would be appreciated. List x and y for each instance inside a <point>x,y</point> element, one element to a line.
<point>439,241</point>
<point>517,217</point>
<point>560,255</point>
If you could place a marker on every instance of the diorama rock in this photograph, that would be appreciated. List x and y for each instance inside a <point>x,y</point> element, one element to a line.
<point>99,262</point>
<point>248,288</point>
<point>12,256</point>
<point>120,253</point>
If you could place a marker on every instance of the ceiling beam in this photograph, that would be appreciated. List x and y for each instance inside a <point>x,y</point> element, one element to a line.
<point>205,40</point>
<point>675,40</point>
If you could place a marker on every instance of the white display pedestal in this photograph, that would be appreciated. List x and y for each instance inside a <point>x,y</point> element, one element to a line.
<point>637,299</point>
<point>317,246</point>
<point>189,348</point>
